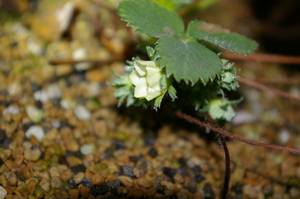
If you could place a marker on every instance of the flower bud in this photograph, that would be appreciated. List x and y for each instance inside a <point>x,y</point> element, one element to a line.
<point>146,78</point>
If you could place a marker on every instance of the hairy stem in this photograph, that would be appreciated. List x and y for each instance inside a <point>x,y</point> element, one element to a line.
<point>259,86</point>
<point>266,58</point>
<point>227,169</point>
<point>228,135</point>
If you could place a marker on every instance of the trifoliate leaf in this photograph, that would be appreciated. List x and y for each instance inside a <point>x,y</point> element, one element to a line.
<point>149,18</point>
<point>229,41</point>
<point>188,60</point>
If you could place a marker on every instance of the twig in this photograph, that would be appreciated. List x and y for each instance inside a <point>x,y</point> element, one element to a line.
<point>56,62</point>
<point>226,184</point>
<point>267,58</point>
<point>278,82</point>
<point>259,86</point>
<point>226,134</point>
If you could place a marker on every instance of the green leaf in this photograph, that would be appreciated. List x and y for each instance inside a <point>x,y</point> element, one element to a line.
<point>172,93</point>
<point>188,60</point>
<point>157,102</point>
<point>220,109</point>
<point>229,41</point>
<point>172,4</point>
<point>149,18</point>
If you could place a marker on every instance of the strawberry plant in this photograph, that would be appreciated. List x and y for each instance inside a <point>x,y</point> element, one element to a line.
<point>184,64</point>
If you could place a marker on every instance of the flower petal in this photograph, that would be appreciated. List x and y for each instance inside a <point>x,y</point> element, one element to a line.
<point>140,68</point>
<point>153,93</point>
<point>139,83</point>
<point>153,76</point>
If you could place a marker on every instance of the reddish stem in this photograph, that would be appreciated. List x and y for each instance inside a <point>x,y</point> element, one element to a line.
<point>267,58</point>
<point>56,62</point>
<point>227,170</point>
<point>228,135</point>
<point>259,86</point>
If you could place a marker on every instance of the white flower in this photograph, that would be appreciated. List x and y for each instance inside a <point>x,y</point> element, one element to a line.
<point>146,78</point>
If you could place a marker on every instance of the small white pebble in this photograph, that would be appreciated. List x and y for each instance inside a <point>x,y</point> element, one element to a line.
<point>93,89</point>
<point>3,192</point>
<point>284,136</point>
<point>80,54</point>
<point>67,104</point>
<point>56,124</point>
<point>64,16</point>
<point>41,96</point>
<point>82,113</point>
<point>87,149</point>
<point>34,47</point>
<point>243,117</point>
<point>12,110</point>
<point>35,114</point>
<point>35,131</point>
<point>14,89</point>
<point>53,91</point>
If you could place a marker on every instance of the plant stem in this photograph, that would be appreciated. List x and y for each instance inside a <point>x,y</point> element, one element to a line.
<point>227,169</point>
<point>259,86</point>
<point>228,135</point>
<point>267,58</point>
<point>56,62</point>
<point>278,82</point>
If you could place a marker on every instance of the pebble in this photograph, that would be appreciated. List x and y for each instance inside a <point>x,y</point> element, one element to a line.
<point>67,104</point>
<point>86,182</point>
<point>36,131</point>
<point>87,149</point>
<point>114,186</point>
<point>284,136</point>
<point>53,91</point>
<point>118,145</point>
<point>197,172</point>
<point>2,136</point>
<point>14,89</point>
<point>82,113</point>
<point>35,114</point>
<point>98,190</point>
<point>34,46</point>
<point>169,172</point>
<point>81,54</point>
<point>3,192</point>
<point>64,16</point>
<point>152,152</point>
<point>41,95</point>
<point>126,171</point>
<point>12,110</point>
<point>78,168</point>
<point>93,89</point>
<point>243,117</point>
<point>32,154</point>
<point>208,192</point>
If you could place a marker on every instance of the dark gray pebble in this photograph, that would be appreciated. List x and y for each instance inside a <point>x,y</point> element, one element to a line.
<point>169,172</point>
<point>208,192</point>
<point>152,152</point>
<point>126,171</point>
